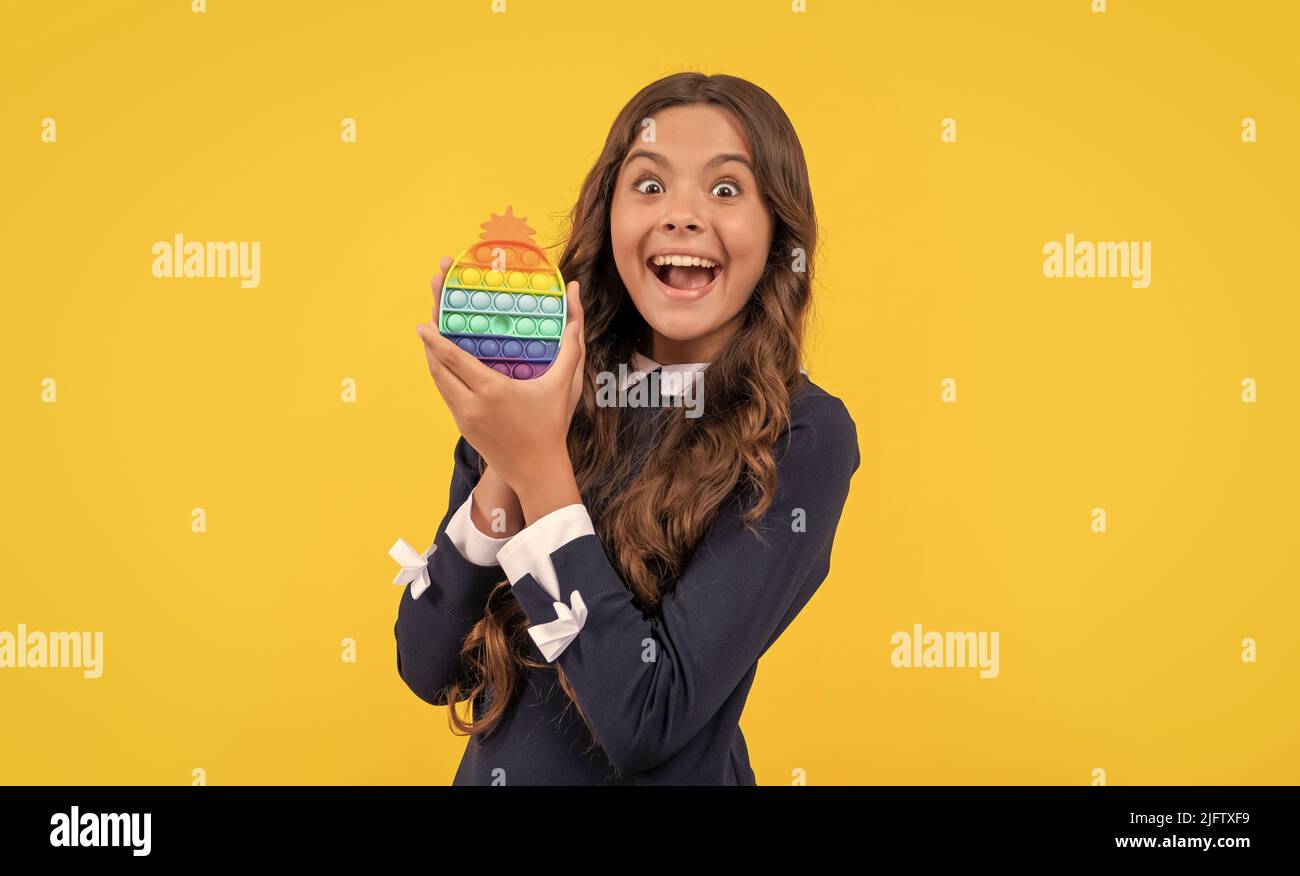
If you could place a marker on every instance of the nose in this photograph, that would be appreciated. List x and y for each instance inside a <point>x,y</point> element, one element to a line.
<point>682,221</point>
<point>682,214</point>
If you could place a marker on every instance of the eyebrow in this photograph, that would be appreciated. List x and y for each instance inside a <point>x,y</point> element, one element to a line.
<point>720,158</point>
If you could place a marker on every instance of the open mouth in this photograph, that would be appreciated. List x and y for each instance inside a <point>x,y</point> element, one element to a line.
<point>689,281</point>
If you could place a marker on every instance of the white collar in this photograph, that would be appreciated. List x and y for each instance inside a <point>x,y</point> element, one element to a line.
<point>643,365</point>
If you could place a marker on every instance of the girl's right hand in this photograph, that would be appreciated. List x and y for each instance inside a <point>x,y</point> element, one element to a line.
<point>444,265</point>
<point>491,492</point>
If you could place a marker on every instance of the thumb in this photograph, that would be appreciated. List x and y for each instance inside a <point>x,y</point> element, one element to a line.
<point>572,342</point>
<point>570,352</point>
<point>567,361</point>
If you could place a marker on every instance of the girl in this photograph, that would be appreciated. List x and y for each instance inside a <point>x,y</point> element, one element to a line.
<point>650,556</point>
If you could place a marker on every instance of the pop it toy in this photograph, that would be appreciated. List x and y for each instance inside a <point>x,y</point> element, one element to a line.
<point>503,301</point>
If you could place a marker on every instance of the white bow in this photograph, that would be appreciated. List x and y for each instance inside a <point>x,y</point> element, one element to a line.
<point>555,636</point>
<point>415,567</point>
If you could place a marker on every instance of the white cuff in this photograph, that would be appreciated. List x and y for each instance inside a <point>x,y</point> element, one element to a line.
<point>415,567</point>
<point>474,545</point>
<point>530,549</point>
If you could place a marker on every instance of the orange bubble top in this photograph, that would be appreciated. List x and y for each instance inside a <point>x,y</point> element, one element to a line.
<point>508,247</point>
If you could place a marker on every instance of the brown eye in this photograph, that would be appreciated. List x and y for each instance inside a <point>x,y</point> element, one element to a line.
<point>645,180</point>
<point>727,185</point>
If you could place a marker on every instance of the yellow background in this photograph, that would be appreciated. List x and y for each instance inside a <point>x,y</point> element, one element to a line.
<point>1119,651</point>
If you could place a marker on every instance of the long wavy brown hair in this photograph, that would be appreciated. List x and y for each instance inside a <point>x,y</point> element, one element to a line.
<point>652,518</point>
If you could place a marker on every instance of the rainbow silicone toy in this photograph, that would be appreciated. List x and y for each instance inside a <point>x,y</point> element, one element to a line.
<point>503,301</point>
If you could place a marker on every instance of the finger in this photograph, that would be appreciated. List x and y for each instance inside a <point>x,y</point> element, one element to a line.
<point>567,360</point>
<point>472,373</point>
<point>441,381</point>
<point>444,265</point>
<point>453,389</point>
<point>573,342</point>
<point>582,320</point>
<point>574,301</point>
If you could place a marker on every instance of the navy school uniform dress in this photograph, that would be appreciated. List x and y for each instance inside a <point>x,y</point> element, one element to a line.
<point>664,694</point>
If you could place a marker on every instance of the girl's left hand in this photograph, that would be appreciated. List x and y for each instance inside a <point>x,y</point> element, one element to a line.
<point>520,427</point>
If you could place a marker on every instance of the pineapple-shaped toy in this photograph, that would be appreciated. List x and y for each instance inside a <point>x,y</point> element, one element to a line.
<point>503,301</point>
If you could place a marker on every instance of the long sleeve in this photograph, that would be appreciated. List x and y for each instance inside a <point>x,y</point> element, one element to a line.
<point>432,621</point>
<point>650,685</point>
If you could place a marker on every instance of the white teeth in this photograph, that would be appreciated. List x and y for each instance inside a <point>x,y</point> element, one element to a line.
<point>683,260</point>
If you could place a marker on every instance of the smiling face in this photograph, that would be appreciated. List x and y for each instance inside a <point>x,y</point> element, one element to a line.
<point>690,231</point>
